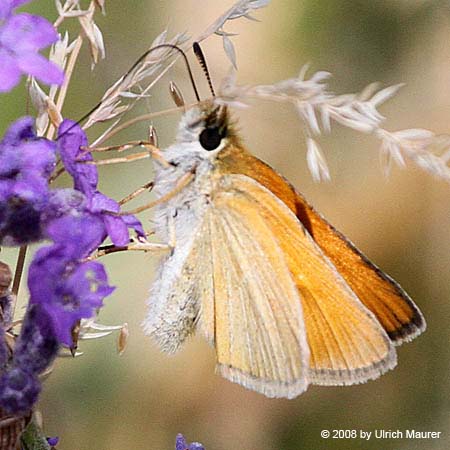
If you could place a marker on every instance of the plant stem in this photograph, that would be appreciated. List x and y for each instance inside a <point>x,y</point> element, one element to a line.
<point>19,269</point>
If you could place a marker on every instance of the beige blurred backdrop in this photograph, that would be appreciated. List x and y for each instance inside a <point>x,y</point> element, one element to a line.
<point>142,399</point>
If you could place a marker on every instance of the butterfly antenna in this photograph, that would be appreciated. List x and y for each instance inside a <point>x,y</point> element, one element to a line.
<point>139,61</point>
<point>201,59</point>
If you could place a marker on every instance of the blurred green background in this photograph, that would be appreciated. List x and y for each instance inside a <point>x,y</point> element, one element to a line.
<point>142,399</point>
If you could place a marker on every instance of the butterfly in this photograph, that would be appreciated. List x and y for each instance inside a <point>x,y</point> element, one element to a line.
<point>285,299</point>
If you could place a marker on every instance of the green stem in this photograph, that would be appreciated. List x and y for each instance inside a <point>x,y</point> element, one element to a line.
<point>33,438</point>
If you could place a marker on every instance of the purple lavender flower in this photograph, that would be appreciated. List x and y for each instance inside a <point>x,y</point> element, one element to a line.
<point>17,3</point>
<point>3,349</point>
<point>64,287</point>
<point>116,226</point>
<point>71,141</point>
<point>22,36</point>
<point>34,351</point>
<point>196,446</point>
<point>76,236</point>
<point>64,202</point>
<point>27,205</point>
<point>7,7</point>
<point>67,288</point>
<point>37,346</point>
<point>53,441</point>
<point>181,444</point>
<point>26,163</point>
<point>19,390</point>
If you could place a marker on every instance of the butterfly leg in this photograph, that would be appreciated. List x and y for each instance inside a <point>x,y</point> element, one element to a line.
<point>145,188</point>
<point>135,245</point>
<point>151,151</point>
<point>182,182</point>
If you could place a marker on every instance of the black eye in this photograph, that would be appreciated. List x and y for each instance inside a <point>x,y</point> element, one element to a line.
<point>211,137</point>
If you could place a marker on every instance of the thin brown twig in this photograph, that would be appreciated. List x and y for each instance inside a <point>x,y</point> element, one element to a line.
<point>57,174</point>
<point>18,276</point>
<point>19,269</point>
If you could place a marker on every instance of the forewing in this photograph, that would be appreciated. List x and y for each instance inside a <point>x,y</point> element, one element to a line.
<point>392,306</point>
<point>250,306</point>
<point>346,342</point>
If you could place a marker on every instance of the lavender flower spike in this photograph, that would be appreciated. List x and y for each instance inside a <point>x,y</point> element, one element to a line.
<point>19,390</point>
<point>22,36</point>
<point>35,350</point>
<point>181,444</point>
<point>26,163</point>
<point>36,346</point>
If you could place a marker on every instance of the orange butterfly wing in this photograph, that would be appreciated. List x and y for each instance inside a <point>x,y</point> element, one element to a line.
<point>347,344</point>
<point>392,306</point>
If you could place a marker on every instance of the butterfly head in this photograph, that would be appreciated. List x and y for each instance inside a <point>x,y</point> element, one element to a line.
<point>207,126</point>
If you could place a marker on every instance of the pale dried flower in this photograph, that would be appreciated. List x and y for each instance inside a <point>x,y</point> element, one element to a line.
<point>53,112</point>
<point>95,38</point>
<point>317,108</point>
<point>229,49</point>
<point>70,9</point>
<point>89,329</point>
<point>42,101</point>
<point>101,5</point>
<point>60,50</point>
<point>316,161</point>
<point>152,67</point>
<point>39,101</point>
<point>242,8</point>
<point>422,147</point>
